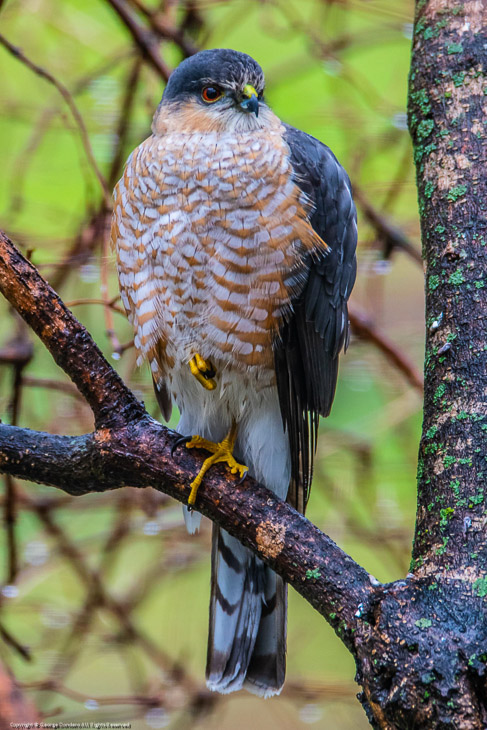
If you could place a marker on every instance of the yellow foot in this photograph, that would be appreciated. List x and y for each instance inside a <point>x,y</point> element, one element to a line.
<point>203,371</point>
<point>221,452</point>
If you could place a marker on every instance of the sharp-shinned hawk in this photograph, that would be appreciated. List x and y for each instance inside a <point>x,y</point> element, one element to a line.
<point>235,237</point>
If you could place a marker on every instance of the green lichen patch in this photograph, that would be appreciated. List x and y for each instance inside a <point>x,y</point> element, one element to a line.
<point>455,487</point>
<point>456,278</point>
<point>425,128</point>
<point>442,549</point>
<point>458,79</point>
<point>480,587</point>
<point>457,192</point>
<point>433,282</point>
<point>475,500</point>
<point>415,564</point>
<point>422,100</point>
<point>313,574</point>
<point>445,515</point>
<point>423,623</point>
<point>448,461</point>
<point>454,48</point>
<point>439,392</point>
<point>431,432</point>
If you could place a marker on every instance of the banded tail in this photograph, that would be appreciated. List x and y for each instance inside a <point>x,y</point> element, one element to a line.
<point>247,634</point>
<point>248,603</point>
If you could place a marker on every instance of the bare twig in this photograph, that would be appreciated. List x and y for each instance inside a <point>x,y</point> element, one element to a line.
<point>164,30</point>
<point>145,40</point>
<point>31,381</point>
<point>124,121</point>
<point>43,73</point>
<point>11,641</point>
<point>364,328</point>
<point>18,352</point>
<point>27,154</point>
<point>391,236</point>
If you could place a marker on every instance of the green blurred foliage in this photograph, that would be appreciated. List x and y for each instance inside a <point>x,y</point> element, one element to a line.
<point>339,71</point>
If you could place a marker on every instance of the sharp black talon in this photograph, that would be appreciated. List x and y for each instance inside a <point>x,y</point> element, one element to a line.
<point>242,479</point>
<point>178,442</point>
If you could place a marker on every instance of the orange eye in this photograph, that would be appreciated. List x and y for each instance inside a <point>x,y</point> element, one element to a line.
<point>211,94</point>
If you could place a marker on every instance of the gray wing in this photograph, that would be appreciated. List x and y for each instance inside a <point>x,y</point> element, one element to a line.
<point>306,351</point>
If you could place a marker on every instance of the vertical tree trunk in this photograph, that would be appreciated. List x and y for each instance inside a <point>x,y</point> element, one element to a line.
<point>423,661</point>
<point>448,121</point>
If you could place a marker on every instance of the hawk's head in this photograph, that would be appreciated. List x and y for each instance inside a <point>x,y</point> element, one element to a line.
<point>217,89</point>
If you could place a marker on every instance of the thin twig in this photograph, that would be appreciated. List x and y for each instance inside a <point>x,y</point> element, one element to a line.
<point>43,73</point>
<point>166,31</point>
<point>392,237</point>
<point>31,381</point>
<point>364,328</point>
<point>143,39</point>
<point>18,352</point>
<point>124,120</point>
<point>11,641</point>
<point>110,303</point>
<point>27,155</point>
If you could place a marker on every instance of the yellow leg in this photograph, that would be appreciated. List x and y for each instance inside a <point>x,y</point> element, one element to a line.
<point>203,371</point>
<point>221,452</point>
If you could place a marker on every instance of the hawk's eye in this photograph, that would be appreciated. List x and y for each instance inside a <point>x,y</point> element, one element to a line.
<point>211,94</point>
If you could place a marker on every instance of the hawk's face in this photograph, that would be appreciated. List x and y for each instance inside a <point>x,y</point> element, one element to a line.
<point>219,90</point>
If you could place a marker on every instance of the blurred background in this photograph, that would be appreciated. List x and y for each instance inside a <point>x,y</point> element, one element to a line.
<point>103,599</point>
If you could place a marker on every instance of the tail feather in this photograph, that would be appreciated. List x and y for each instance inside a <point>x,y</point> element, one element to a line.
<point>246,645</point>
<point>247,635</point>
<point>192,520</point>
<point>267,667</point>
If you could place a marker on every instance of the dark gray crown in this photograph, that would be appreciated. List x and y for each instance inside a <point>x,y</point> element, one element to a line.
<point>224,67</point>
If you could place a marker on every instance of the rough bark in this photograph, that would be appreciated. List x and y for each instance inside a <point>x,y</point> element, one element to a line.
<point>420,644</point>
<point>424,662</point>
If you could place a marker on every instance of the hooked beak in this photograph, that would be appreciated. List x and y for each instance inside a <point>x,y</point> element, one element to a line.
<point>250,102</point>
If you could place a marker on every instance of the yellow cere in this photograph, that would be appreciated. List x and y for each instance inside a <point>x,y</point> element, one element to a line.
<point>249,91</point>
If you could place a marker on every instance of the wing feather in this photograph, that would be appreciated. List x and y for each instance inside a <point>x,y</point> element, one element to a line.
<point>312,336</point>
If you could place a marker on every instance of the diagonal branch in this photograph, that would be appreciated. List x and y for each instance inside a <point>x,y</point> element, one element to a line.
<point>364,328</point>
<point>131,449</point>
<point>145,40</point>
<point>392,236</point>
<point>139,455</point>
<point>66,339</point>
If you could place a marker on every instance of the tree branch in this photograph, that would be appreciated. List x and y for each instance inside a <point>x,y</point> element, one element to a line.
<point>392,236</point>
<point>364,328</point>
<point>145,40</point>
<point>128,448</point>
<point>66,339</point>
